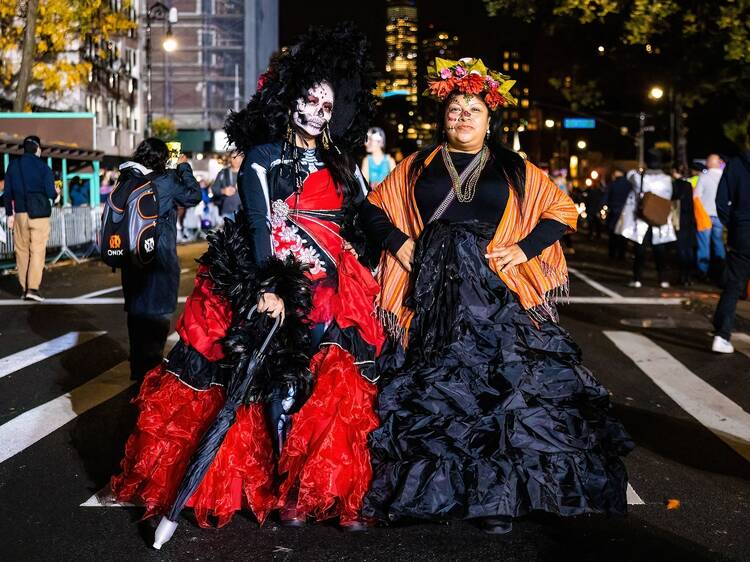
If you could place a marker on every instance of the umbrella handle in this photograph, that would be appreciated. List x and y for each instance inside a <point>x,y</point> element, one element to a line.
<point>271,332</point>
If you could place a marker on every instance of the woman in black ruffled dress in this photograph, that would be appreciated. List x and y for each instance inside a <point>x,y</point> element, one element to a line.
<point>486,410</point>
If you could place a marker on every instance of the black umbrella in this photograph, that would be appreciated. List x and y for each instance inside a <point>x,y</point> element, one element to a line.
<point>237,388</point>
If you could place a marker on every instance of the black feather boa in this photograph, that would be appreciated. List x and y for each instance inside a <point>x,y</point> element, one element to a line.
<point>237,278</point>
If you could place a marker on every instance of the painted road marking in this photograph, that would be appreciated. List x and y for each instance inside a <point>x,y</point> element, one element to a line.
<point>741,343</point>
<point>672,301</point>
<point>633,498</point>
<point>100,292</point>
<point>596,285</point>
<point>727,420</point>
<point>74,301</point>
<point>45,350</point>
<point>26,429</point>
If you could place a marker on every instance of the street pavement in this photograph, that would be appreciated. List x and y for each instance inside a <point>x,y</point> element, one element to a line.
<point>65,415</point>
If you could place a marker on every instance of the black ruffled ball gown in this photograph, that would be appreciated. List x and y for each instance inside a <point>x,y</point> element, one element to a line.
<point>487,414</point>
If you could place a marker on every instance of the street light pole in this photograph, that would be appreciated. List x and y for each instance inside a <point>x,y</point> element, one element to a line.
<point>156,12</point>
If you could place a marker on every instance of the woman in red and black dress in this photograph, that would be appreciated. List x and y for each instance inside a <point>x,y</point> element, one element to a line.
<point>299,191</point>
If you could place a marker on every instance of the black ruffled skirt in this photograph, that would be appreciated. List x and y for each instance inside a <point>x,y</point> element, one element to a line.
<point>487,414</point>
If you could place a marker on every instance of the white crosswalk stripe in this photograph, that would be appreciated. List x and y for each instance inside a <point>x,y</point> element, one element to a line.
<point>26,429</point>
<point>17,361</point>
<point>728,421</point>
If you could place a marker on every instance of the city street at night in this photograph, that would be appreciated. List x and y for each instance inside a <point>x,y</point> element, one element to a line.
<point>65,415</point>
<point>395,280</point>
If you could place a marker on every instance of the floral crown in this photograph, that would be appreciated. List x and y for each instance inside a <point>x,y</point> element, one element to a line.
<point>469,76</point>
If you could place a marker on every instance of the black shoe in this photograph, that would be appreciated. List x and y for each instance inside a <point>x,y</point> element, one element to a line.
<point>496,525</point>
<point>33,295</point>
<point>359,525</point>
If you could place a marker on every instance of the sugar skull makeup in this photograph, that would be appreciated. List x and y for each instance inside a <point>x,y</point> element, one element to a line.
<point>314,112</point>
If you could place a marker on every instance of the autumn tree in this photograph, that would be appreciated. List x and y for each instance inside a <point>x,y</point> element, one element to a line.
<point>699,49</point>
<point>52,64</point>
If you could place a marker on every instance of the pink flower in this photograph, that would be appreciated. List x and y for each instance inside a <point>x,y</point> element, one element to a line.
<point>492,83</point>
<point>460,71</point>
<point>445,73</point>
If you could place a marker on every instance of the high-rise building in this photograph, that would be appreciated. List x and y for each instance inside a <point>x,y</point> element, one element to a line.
<point>521,116</point>
<point>438,43</point>
<point>223,46</point>
<point>401,50</point>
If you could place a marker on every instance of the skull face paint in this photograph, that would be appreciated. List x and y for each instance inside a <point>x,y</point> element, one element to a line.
<point>314,111</point>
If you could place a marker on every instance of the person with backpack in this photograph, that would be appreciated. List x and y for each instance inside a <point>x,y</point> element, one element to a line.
<point>151,271</point>
<point>733,208</point>
<point>29,187</point>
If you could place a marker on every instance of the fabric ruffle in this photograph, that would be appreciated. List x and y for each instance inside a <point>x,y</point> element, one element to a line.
<point>325,458</point>
<point>172,419</point>
<point>487,414</point>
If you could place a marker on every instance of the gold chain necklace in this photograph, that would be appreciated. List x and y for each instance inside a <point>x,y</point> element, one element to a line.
<point>465,193</point>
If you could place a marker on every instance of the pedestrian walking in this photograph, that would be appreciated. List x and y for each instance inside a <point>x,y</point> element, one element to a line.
<point>377,164</point>
<point>151,292</point>
<point>733,209</point>
<point>29,189</point>
<point>224,189</point>
<point>686,229</point>
<point>615,196</point>
<point>634,226</point>
<point>711,241</point>
<point>486,411</point>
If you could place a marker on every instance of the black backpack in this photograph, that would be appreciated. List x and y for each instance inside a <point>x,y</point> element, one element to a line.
<point>128,234</point>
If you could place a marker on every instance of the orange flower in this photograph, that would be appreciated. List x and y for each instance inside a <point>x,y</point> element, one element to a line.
<point>471,84</point>
<point>442,88</point>
<point>493,98</point>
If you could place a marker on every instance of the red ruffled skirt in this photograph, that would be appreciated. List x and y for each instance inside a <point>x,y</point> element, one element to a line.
<point>326,458</point>
<point>171,422</point>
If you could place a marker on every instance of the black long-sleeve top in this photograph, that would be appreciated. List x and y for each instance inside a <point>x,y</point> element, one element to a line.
<point>488,206</point>
<point>733,202</point>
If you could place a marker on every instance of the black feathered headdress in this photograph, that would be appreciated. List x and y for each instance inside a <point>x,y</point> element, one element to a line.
<point>338,55</point>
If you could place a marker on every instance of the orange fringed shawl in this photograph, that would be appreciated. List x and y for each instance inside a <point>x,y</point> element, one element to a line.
<point>537,283</point>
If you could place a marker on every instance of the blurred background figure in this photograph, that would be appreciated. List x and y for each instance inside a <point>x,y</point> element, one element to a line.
<point>733,208</point>
<point>617,193</point>
<point>685,225</point>
<point>78,192</point>
<point>377,164</point>
<point>710,241</point>
<point>633,227</point>
<point>224,188</point>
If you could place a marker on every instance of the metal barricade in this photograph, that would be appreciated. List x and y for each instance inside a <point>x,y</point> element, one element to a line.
<point>73,233</point>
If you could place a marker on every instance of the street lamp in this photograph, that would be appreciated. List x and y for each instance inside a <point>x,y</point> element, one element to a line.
<point>157,12</point>
<point>549,123</point>
<point>581,144</point>
<point>170,43</point>
<point>656,93</point>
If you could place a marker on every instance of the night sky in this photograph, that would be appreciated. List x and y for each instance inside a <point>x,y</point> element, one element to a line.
<point>485,37</point>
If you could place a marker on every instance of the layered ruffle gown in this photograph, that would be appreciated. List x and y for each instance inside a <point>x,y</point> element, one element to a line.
<point>324,469</point>
<point>487,413</point>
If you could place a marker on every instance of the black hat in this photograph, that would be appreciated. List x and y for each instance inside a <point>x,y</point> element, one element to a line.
<point>31,143</point>
<point>338,55</point>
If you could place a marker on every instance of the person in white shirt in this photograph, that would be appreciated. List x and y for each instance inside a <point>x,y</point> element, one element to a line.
<point>710,241</point>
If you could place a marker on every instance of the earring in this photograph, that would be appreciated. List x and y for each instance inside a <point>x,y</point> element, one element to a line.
<point>488,133</point>
<point>326,138</point>
<point>290,134</point>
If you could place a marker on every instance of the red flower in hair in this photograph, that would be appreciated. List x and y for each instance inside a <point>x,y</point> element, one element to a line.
<point>493,98</point>
<point>262,80</point>
<point>442,88</point>
<point>471,84</point>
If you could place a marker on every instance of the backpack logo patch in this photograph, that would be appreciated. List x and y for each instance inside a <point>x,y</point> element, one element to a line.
<point>115,242</point>
<point>148,245</point>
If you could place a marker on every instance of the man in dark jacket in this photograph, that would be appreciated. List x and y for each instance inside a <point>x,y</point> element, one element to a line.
<point>25,176</point>
<point>224,188</point>
<point>733,208</point>
<point>151,292</point>
<point>614,198</point>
